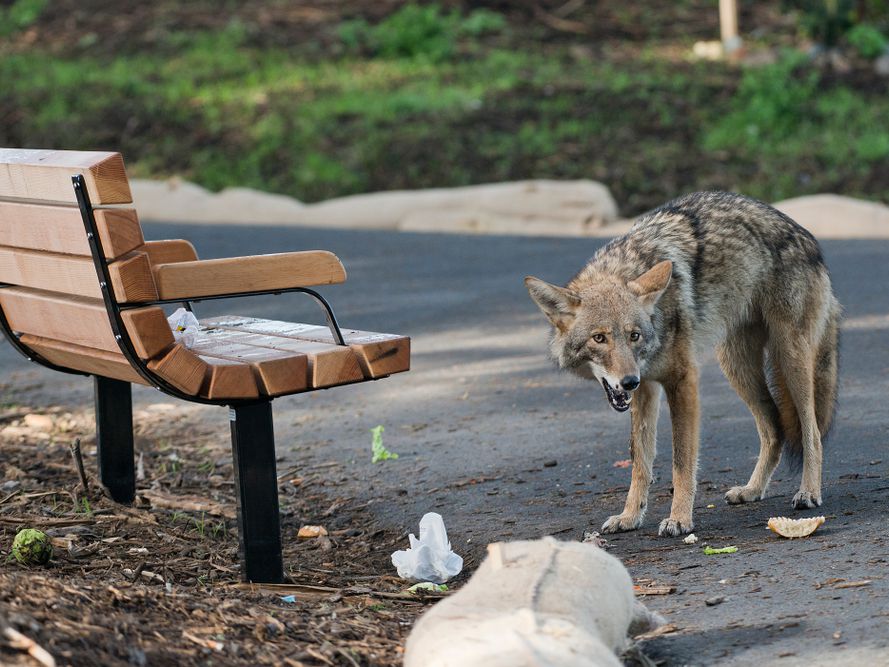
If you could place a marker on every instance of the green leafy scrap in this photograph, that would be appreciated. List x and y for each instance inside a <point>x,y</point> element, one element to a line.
<point>380,453</point>
<point>428,586</point>
<point>710,551</point>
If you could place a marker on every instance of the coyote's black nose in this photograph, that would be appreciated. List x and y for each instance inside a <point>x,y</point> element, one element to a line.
<point>629,383</point>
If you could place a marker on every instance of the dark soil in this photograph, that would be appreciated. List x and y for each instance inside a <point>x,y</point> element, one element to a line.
<point>158,582</point>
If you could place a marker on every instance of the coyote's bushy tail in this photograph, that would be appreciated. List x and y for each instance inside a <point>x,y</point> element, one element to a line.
<point>826,370</point>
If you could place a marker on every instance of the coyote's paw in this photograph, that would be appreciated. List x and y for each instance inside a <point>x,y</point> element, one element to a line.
<point>675,527</point>
<point>805,500</point>
<point>620,523</point>
<point>742,494</point>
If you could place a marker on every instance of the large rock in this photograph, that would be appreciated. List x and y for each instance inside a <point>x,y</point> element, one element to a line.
<point>175,200</point>
<point>533,604</point>
<point>836,217</point>
<point>525,207</point>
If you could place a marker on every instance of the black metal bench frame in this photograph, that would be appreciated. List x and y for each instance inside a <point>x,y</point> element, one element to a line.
<point>252,433</point>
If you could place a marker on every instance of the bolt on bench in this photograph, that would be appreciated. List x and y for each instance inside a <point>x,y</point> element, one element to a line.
<point>81,292</point>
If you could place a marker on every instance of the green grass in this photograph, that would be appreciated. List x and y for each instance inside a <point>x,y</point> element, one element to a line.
<point>433,98</point>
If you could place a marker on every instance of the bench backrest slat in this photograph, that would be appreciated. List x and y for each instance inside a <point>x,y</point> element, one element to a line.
<point>131,276</point>
<point>45,175</point>
<point>98,362</point>
<point>60,229</point>
<point>83,321</point>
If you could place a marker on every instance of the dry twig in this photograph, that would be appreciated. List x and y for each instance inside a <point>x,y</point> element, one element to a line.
<point>18,641</point>
<point>78,462</point>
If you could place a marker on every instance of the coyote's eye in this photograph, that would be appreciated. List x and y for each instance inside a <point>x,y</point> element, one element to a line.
<point>599,338</point>
<point>635,336</point>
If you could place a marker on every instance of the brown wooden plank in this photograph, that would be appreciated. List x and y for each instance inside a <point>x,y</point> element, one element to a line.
<point>132,279</point>
<point>83,321</point>
<point>77,320</point>
<point>379,354</point>
<point>169,251</point>
<point>88,360</point>
<point>46,175</point>
<point>328,365</point>
<point>57,273</point>
<point>182,280</point>
<point>181,368</point>
<point>228,380</point>
<point>60,229</point>
<point>70,274</point>
<point>149,330</point>
<point>277,372</point>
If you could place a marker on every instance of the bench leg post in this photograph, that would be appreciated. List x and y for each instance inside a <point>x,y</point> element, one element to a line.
<point>114,438</point>
<point>256,479</point>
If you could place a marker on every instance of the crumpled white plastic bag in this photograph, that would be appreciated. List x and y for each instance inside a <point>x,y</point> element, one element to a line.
<point>429,558</point>
<point>184,325</point>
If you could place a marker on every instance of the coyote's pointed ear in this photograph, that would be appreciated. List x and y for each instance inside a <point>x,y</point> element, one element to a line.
<point>557,303</point>
<point>651,284</point>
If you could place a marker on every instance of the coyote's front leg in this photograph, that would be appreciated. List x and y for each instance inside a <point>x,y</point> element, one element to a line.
<point>644,412</point>
<point>682,397</point>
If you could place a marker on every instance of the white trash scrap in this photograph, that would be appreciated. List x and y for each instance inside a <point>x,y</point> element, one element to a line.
<point>541,603</point>
<point>184,326</point>
<point>429,558</point>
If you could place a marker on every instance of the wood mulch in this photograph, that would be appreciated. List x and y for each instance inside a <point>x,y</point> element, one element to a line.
<point>158,583</point>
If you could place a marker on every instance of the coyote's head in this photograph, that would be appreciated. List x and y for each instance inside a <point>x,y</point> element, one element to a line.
<point>602,329</point>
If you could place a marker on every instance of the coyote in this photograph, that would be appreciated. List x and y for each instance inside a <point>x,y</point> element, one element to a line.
<point>707,268</point>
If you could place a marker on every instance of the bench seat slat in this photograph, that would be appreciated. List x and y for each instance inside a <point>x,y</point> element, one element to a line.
<point>181,368</point>
<point>328,365</point>
<point>378,354</point>
<point>46,175</point>
<point>276,373</point>
<point>227,379</point>
<point>60,229</point>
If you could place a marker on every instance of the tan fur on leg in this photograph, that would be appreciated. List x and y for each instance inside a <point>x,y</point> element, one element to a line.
<point>682,397</point>
<point>741,357</point>
<point>643,444</point>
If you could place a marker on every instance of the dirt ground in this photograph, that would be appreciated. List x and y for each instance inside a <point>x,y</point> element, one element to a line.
<point>157,583</point>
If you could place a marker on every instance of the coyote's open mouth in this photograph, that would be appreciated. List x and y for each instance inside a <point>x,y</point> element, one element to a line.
<point>619,400</point>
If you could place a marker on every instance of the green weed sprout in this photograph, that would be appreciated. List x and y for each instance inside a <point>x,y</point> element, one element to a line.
<point>380,453</point>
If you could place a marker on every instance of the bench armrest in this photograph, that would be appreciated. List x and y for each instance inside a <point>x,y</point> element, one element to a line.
<point>255,273</point>
<point>168,251</point>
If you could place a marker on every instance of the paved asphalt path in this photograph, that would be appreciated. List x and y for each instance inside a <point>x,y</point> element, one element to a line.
<point>491,436</point>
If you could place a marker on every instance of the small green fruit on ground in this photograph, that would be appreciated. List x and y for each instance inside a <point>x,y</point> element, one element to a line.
<point>31,547</point>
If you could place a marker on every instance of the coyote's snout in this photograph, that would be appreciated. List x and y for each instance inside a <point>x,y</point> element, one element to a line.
<point>706,267</point>
<point>605,331</point>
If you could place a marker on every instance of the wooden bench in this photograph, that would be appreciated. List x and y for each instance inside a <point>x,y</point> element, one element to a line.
<point>81,291</point>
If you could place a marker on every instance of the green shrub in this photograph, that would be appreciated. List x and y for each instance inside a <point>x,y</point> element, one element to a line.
<point>20,15</point>
<point>418,31</point>
<point>771,101</point>
<point>825,21</point>
<point>867,40</point>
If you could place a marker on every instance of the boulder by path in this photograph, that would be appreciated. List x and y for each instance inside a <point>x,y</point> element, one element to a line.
<point>831,216</point>
<point>533,208</point>
<point>525,207</point>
